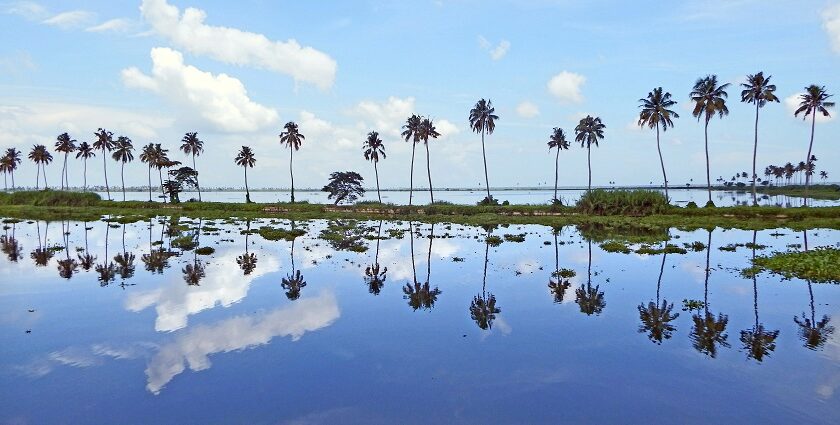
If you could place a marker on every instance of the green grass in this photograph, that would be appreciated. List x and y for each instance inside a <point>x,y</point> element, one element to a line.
<point>50,198</point>
<point>622,202</point>
<point>274,234</point>
<point>818,265</point>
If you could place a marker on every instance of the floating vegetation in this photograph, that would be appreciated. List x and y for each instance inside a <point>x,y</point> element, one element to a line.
<point>205,250</point>
<point>693,305</point>
<point>564,273</point>
<point>668,249</point>
<point>615,246</point>
<point>186,243</point>
<point>695,246</point>
<point>514,238</point>
<point>493,240</point>
<point>818,265</point>
<point>275,234</point>
<point>346,235</point>
<point>458,259</point>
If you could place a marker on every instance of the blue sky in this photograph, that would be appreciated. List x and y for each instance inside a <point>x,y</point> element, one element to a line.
<point>155,69</point>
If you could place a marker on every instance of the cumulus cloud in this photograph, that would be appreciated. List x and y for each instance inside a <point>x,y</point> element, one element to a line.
<point>496,52</point>
<point>792,104</point>
<point>566,86</point>
<point>527,109</point>
<point>112,25</point>
<point>446,128</point>
<point>70,19</point>
<point>219,100</point>
<point>188,31</point>
<point>194,348</point>
<point>831,24</point>
<point>385,117</point>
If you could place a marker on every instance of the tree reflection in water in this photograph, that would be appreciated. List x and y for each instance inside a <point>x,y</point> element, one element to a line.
<point>43,254</point>
<point>709,331</point>
<point>814,333</point>
<point>157,259</point>
<point>293,282</point>
<point>656,317</point>
<point>557,283</point>
<point>758,342</point>
<point>248,261</point>
<point>590,299</point>
<point>86,259</point>
<point>421,296</point>
<point>375,275</point>
<point>483,308</point>
<point>9,244</point>
<point>124,262</point>
<point>193,273</point>
<point>67,266</point>
<point>107,270</point>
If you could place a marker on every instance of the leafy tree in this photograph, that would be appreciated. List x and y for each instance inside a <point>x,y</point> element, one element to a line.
<point>373,149</point>
<point>709,100</point>
<point>64,144</point>
<point>655,113</point>
<point>588,132</point>
<point>759,91</point>
<point>815,99</point>
<point>180,178</point>
<point>344,186</point>
<point>192,145</point>
<point>483,120</point>
<point>246,159</point>
<point>123,153</point>
<point>104,142</point>
<point>85,151</point>
<point>557,141</point>
<point>292,138</point>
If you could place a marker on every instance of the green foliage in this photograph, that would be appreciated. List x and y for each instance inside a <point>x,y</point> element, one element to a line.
<point>344,186</point>
<point>50,198</point>
<point>493,240</point>
<point>186,243</point>
<point>205,250</point>
<point>622,202</point>
<point>696,246</point>
<point>275,234</point>
<point>564,273</point>
<point>488,200</point>
<point>818,265</point>
<point>693,305</point>
<point>691,205</point>
<point>669,249</point>
<point>514,238</point>
<point>615,246</point>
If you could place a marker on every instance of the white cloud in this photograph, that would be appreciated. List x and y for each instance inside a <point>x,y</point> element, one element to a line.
<point>27,9</point>
<point>17,63</point>
<point>792,104</point>
<point>565,86</point>
<point>446,128</point>
<point>831,24</point>
<point>527,109</point>
<point>70,19</point>
<point>230,45</point>
<point>220,100</point>
<point>113,25</point>
<point>385,117</point>
<point>238,333</point>
<point>496,53</point>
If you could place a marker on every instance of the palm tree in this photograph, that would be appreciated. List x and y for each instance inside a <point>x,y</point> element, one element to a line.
<point>106,270</point>
<point>483,119</point>
<point>193,273</point>
<point>292,138</point>
<point>420,296</point>
<point>14,160</point>
<point>192,145</point>
<point>104,142</point>
<point>162,161</point>
<point>427,130</point>
<point>5,168</point>
<point>483,308</point>
<point>590,299</point>
<point>815,99</point>
<point>124,262</point>
<point>375,275</point>
<point>709,100</point>
<point>43,254</point>
<point>247,261</point>
<point>245,159</point>
<point>758,341</point>
<point>654,113</point>
<point>148,156</point>
<point>64,144</point>
<point>558,282</point>
<point>123,154</point>
<point>411,133</point>
<point>9,245</point>
<point>814,333</point>
<point>823,175</point>
<point>557,140</point>
<point>373,149</point>
<point>709,331</point>
<point>85,151</point>
<point>656,318</point>
<point>86,260</point>
<point>41,157</point>
<point>759,91</point>
<point>588,132</point>
<point>294,282</point>
<point>68,266</point>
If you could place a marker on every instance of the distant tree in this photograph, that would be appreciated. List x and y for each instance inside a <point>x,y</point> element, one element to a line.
<point>64,144</point>
<point>344,186</point>
<point>709,100</point>
<point>588,132</point>
<point>655,113</point>
<point>815,99</point>
<point>179,179</point>
<point>14,159</point>
<point>246,159</point>
<point>558,141</point>
<point>5,168</point>
<point>292,138</point>
<point>192,145</point>
<point>123,153</point>
<point>41,157</point>
<point>483,120</point>
<point>85,151</point>
<point>104,142</point>
<point>823,175</point>
<point>373,149</point>
<point>759,91</point>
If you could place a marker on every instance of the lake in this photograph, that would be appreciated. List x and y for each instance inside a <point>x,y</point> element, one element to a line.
<point>398,322</point>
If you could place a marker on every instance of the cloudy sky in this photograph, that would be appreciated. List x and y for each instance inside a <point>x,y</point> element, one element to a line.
<point>236,72</point>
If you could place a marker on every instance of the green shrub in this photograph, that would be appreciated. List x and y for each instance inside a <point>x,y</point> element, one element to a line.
<point>273,234</point>
<point>622,202</point>
<point>564,273</point>
<point>50,198</point>
<point>691,205</point>
<point>205,250</point>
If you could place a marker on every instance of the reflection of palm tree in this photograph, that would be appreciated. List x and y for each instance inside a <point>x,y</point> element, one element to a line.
<point>43,254</point>
<point>293,282</point>
<point>193,273</point>
<point>590,299</point>
<point>374,275</point>
<point>483,308</point>
<point>67,266</point>
<point>247,261</point>
<point>656,318</point>
<point>709,331</point>
<point>157,259</point>
<point>124,261</point>
<point>420,296</point>
<point>107,270</point>
<point>10,246</point>
<point>87,260</point>
<point>814,333</point>
<point>758,342</point>
<point>557,284</point>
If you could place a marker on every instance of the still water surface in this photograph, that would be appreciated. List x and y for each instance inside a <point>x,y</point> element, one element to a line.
<point>126,323</point>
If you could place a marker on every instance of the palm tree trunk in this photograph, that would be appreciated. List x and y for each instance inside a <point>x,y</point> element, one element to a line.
<point>37,176</point>
<point>808,159</point>
<point>662,163</point>
<point>85,174</point>
<point>556,170</point>
<point>160,176</point>
<point>589,165</point>
<point>291,154</point>
<point>5,181</point>
<point>105,169</point>
<point>755,284</point>
<point>197,186</point>
<point>150,182</point>
<point>429,171</point>
<point>247,192</point>
<point>122,177</point>
<point>376,171</point>
<point>429,255</point>
<point>706,282</point>
<point>484,156</point>
<point>708,173</point>
<point>44,166</point>
<point>64,172</point>
<point>755,153</point>
<point>411,178</point>
<point>661,270</point>
<point>13,180</point>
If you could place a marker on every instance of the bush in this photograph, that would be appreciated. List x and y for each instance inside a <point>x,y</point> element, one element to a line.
<point>622,202</point>
<point>50,198</point>
<point>709,204</point>
<point>691,205</point>
<point>488,200</point>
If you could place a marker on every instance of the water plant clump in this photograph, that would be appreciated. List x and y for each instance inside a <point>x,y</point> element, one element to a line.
<point>622,202</point>
<point>276,234</point>
<point>205,250</point>
<point>817,265</point>
<point>615,246</point>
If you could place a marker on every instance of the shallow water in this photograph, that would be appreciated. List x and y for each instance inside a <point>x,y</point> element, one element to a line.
<point>679,197</point>
<point>267,331</point>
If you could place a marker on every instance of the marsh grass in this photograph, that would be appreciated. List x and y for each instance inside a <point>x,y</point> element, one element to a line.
<point>622,202</point>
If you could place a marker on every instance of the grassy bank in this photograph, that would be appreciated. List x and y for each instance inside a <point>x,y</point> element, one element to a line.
<point>639,210</point>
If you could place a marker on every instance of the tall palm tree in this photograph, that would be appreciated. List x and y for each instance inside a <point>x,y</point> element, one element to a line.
<point>192,145</point>
<point>245,159</point>
<point>655,112</point>
<point>411,133</point>
<point>815,99</point>
<point>709,100</point>
<point>814,333</point>
<point>420,296</point>
<point>588,132</point>
<point>558,141</point>
<point>373,149</point>
<point>558,282</point>
<point>86,260</point>
<point>123,153</point>
<point>64,144</point>
<point>14,156</point>
<point>161,161</point>
<point>483,120</point>
<point>292,138</point>
<point>247,261</point>
<point>85,151</point>
<point>104,142</point>
<point>68,266</point>
<point>41,157</point>
<point>148,156</point>
<point>427,130</point>
<point>759,91</point>
<point>293,282</point>
<point>5,168</point>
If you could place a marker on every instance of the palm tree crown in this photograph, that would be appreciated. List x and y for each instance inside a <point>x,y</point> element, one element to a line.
<point>655,110</point>
<point>709,98</point>
<point>123,150</point>
<point>373,147</point>
<point>192,145</point>
<point>245,157</point>
<point>64,143</point>
<point>291,137</point>
<point>758,90</point>
<point>589,131</point>
<point>558,140</point>
<point>815,99</point>
<point>85,151</point>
